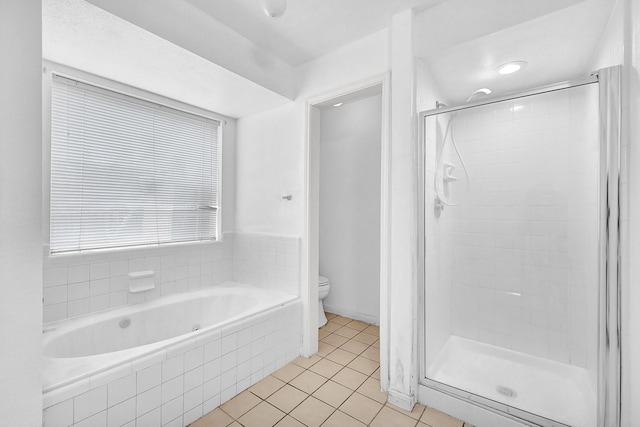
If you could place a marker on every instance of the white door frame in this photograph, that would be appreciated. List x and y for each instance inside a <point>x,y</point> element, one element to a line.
<point>310,237</point>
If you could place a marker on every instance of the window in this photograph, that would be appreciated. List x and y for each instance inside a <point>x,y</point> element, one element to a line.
<point>127,172</point>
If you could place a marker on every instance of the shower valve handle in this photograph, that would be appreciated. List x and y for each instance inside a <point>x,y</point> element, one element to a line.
<point>448,172</point>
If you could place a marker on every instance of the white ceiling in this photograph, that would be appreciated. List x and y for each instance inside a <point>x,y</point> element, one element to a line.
<point>460,41</point>
<point>463,41</point>
<point>85,37</point>
<point>309,28</point>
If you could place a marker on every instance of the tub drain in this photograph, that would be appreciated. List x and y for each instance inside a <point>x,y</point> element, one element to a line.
<point>195,328</point>
<point>506,391</point>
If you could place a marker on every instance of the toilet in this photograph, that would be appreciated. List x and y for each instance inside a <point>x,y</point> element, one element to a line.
<point>323,291</point>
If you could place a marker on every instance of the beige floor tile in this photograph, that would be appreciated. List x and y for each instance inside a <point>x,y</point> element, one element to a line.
<point>376,344</point>
<point>288,372</point>
<point>241,404</point>
<point>263,415</point>
<point>326,368</point>
<point>333,393</point>
<point>287,398</point>
<point>376,374</point>
<point>312,412</point>
<point>361,408</point>
<point>372,353</point>
<point>329,316</point>
<point>341,357</point>
<point>325,349</point>
<point>364,365</point>
<point>365,338</point>
<point>306,363</point>
<point>266,386</point>
<point>215,418</point>
<point>415,413</point>
<point>347,332</point>
<point>357,325</point>
<point>323,334</point>
<point>390,418</point>
<point>341,320</point>
<point>331,327</point>
<point>349,378</point>
<point>335,340</point>
<point>235,424</point>
<point>434,418</point>
<point>354,347</point>
<point>308,381</point>
<point>289,421</point>
<point>373,330</point>
<point>340,419</point>
<point>467,425</point>
<point>371,389</point>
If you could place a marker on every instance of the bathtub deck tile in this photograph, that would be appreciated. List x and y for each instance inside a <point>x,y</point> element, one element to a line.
<point>193,378</point>
<point>192,398</point>
<point>122,413</point>
<point>89,403</point>
<point>206,337</point>
<point>149,377</point>
<point>172,367</point>
<point>212,350</point>
<point>193,358</point>
<point>116,373</point>
<point>149,419</point>
<point>181,348</point>
<point>172,389</point>
<point>97,420</point>
<point>67,392</point>
<point>148,400</point>
<point>121,390</point>
<point>193,414</point>
<point>150,360</point>
<point>59,415</point>
<point>172,410</point>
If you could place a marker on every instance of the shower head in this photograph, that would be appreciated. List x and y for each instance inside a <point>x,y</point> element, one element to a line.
<point>480,92</point>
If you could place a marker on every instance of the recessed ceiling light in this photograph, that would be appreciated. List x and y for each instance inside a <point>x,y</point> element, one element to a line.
<point>511,67</point>
<point>338,104</point>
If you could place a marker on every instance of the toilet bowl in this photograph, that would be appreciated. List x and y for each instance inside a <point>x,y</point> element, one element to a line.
<point>323,291</point>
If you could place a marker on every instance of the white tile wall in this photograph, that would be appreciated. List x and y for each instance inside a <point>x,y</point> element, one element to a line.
<point>79,285</point>
<point>176,389</point>
<point>523,243</point>
<point>268,261</point>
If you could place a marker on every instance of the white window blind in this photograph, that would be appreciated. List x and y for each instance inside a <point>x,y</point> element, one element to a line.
<point>128,172</point>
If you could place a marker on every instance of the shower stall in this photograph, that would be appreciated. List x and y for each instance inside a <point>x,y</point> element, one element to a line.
<point>520,249</point>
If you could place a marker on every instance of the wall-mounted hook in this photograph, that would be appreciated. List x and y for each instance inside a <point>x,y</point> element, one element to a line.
<point>287,197</point>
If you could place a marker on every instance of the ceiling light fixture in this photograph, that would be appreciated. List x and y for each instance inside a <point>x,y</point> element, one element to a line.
<point>338,104</point>
<point>274,8</point>
<point>511,67</point>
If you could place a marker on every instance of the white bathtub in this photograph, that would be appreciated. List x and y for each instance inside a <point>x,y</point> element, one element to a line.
<point>215,342</point>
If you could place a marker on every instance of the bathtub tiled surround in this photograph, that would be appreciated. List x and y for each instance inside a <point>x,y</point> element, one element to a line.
<point>177,385</point>
<point>337,387</point>
<point>77,285</point>
<point>268,261</point>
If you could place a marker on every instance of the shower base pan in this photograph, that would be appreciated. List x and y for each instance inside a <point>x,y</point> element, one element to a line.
<point>553,390</point>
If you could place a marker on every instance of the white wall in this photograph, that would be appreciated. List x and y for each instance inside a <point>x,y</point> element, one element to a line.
<point>350,207</point>
<point>270,145</point>
<point>403,280</point>
<point>20,214</point>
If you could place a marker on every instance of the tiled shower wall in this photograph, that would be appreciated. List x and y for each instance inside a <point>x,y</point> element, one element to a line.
<point>78,285</point>
<point>524,240</point>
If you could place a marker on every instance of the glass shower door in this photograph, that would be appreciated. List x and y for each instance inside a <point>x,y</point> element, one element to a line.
<point>511,202</point>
